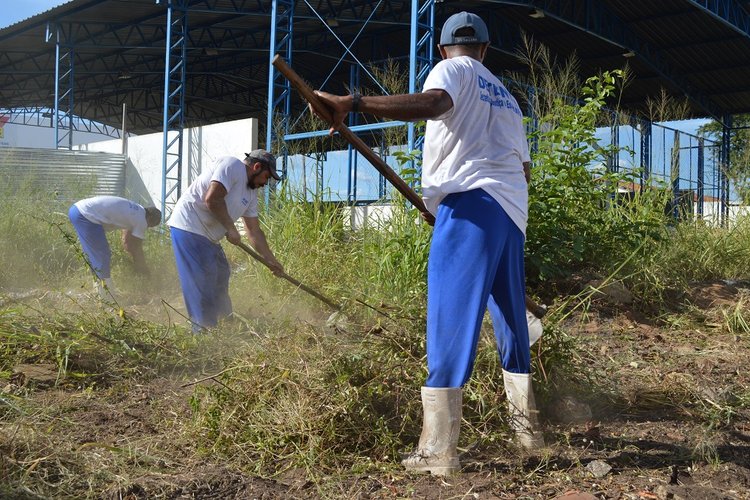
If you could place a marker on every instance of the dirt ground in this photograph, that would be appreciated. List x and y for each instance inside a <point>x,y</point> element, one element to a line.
<point>647,438</point>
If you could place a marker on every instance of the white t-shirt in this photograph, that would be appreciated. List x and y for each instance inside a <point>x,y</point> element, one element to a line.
<point>191,213</point>
<point>479,143</point>
<point>113,212</point>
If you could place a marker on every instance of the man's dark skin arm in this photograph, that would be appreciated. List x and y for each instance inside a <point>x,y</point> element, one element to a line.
<point>406,107</point>
<point>134,246</point>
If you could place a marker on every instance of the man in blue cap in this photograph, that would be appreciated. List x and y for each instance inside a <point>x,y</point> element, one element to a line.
<point>206,214</point>
<point>475,174</point>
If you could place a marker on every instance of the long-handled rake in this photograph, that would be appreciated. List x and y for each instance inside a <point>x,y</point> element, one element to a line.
<point>330,303</point>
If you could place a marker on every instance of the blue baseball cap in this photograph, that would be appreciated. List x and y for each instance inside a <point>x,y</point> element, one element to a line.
<point>464,20</point>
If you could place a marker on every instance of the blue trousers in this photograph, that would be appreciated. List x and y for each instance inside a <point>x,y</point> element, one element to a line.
<point>475,262</point>
<point>204,276</point>
<point>94,243</point>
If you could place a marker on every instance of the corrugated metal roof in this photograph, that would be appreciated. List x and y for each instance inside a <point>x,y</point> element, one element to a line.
<point>119,51</point>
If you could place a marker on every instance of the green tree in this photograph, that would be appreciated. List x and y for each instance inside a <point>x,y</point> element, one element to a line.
<point>738,170</point>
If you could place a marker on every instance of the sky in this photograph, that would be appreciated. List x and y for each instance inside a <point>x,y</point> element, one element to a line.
<point>13,11</point>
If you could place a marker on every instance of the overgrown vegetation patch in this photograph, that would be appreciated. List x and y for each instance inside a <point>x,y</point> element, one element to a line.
<point>639,366</point>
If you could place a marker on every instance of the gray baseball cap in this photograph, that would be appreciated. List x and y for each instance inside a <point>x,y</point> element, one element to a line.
<point>464,20</point>
<point>265,158</point>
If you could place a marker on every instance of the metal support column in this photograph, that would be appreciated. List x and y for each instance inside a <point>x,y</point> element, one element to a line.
<point>279,88</point>
<point>174,104</point>
<point>351,186</point>
<point>646,134</point>
<point>724,170</point>
<point>674,175</point>
<point>320,159</point>
<point>64,80</point>
<point>420,55</point>
<point>700,175</point>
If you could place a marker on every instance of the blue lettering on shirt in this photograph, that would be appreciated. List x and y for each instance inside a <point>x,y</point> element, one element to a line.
<point>245,201</point>
<point>496,95</point>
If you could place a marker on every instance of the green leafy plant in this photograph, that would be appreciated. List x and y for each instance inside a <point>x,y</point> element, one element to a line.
<point>576,217</point>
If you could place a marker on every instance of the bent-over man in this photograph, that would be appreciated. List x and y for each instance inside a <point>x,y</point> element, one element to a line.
<point>93,217</point>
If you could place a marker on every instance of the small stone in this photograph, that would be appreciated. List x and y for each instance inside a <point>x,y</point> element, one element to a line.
<point>615,292</point>
<point>598,468</point>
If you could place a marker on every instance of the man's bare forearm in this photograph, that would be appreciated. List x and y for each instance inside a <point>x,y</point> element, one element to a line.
<point>407,107</point>
<point>218,208</point>
<point>258,241</point>
<point>134,247</point>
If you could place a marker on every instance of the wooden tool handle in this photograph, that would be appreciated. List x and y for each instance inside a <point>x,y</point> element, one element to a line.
<point>291,280</point>
<point>348,135</point>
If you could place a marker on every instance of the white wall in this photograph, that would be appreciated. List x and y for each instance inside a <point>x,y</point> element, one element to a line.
<point>201,147</point>
<point>376,215</point>
<point>712,212</point>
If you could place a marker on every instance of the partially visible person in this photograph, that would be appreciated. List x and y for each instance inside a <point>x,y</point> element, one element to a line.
<point>203,216</point>
<point>93,217</point>
<point>475,172</point>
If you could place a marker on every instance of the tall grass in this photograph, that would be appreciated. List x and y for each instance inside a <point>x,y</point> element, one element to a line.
<point>30,243</point>
<point>684,254</point>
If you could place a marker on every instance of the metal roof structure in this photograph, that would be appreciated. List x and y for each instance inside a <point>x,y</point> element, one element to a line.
<point>178,63</point>
<point>694,48</point>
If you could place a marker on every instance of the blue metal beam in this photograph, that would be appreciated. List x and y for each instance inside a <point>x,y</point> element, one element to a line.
<point>596,18</point>
<point>43,117</point>
<point>421,56</point>
<point>64,86</point>
<point>356,129</point>
<point>234,7</point>
<point>700,176</point>
<point>729,12</point>
<point>279,88</point>
<point>174,104</point>
<point>646,131</point>
<point>724,167</point>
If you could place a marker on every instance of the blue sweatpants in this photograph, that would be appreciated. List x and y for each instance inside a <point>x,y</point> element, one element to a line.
<point>94,243</point>
<point>204,276</point>
<point>475,262</point>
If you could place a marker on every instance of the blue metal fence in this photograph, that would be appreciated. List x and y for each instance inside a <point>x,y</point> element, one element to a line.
<point>657,155</point>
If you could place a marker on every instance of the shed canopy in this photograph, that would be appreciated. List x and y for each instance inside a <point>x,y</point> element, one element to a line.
<point>697,49</point>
